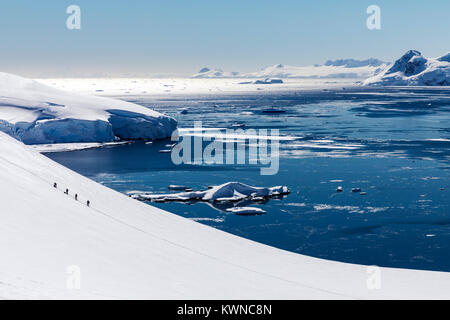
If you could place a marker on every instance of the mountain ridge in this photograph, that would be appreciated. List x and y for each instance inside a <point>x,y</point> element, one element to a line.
<point>413,69</point>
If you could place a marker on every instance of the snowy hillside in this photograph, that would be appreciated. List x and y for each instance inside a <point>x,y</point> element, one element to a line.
<point>347,68</point>
<point>126,249</point>
<point>413,69</point>
<point>35,113</point>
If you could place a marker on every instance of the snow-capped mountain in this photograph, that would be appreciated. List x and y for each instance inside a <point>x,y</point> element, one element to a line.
<point>346,68</point>
<point>353,63</point>
<point>413,69</point>
<point>35,113</point>
<point>214,73</point>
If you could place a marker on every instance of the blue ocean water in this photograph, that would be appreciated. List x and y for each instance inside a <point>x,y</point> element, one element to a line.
<point>392,143</point>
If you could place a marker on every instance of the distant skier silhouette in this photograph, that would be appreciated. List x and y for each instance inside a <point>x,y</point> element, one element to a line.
<point>76,196</point>
<point>67,191</point>
<point>55,185</point>
<point>88,203</point>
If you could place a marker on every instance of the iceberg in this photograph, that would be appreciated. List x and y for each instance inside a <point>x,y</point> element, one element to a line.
<point>413,69</point>
<point>227,192</point>
<point>35,113</point>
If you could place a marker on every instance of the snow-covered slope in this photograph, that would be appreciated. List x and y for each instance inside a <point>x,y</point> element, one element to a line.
<point>347,68</point>
<point>35,113</point>
<point>127,249</point>
<point>413,69</point>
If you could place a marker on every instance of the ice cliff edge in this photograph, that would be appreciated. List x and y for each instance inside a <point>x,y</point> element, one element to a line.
<point>36,113</point>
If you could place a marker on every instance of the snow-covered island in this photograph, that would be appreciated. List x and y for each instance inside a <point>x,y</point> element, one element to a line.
<point>121,248</point>
<point>35,113</point>
<point>344,68</point>
<point>413,69</point>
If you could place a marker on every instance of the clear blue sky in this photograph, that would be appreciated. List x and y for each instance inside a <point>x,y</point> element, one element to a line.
<point>168,37</point>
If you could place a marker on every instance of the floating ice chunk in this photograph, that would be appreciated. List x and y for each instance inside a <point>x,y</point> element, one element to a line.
<point>177,187</point>
<point>257,199</point>
<point>230,199</point>
<point>246,210</point>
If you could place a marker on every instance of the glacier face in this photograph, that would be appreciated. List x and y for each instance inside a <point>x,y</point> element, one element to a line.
<point>413,69</point>
<point>35,113</point>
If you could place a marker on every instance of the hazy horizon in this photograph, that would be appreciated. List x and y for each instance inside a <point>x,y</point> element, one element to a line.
<point>178,38</point>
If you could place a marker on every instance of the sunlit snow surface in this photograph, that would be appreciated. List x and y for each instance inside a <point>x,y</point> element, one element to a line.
<point>53,246</point>
<point>393,143</point>
<point>35,113</point>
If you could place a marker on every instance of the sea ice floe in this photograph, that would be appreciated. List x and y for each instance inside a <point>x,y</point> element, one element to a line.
<point>246,210</point>
<point>350,209</point>
<point>218,220</point>
<point>177,187</point>
<point>64,147</point>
